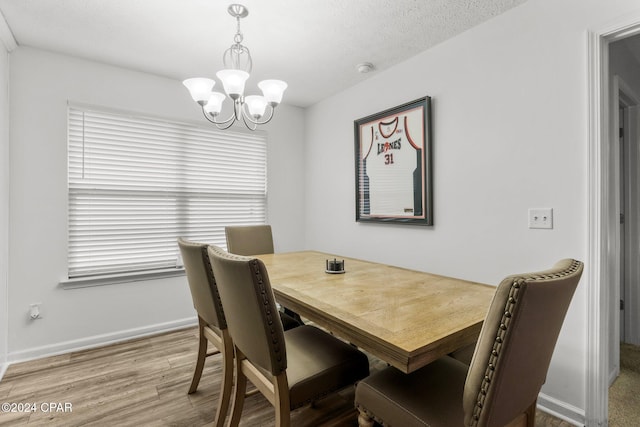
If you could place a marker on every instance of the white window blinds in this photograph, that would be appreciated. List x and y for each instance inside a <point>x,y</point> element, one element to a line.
<point>137,183</point>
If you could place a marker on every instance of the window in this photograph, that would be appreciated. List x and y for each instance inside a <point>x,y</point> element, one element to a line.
<point>138,183</point>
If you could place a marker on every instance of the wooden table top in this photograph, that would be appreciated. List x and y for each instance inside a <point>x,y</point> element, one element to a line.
<point>404,317</point>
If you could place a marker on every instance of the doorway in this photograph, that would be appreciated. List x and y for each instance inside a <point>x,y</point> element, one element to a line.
<point>624,144</point>
<point>605,196</point>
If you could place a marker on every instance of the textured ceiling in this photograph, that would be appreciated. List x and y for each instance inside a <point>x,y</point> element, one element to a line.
<point>314,45</point>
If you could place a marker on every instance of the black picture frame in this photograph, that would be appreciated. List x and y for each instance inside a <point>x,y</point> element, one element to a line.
<point>393,170</point>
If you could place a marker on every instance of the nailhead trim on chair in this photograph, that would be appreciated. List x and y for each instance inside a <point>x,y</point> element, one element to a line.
<point>510,305</point>
<point>222,320</point>
<point>495,352</point>
<point>267,310</point>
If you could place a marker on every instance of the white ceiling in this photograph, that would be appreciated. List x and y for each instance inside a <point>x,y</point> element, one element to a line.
<point>314,45</point>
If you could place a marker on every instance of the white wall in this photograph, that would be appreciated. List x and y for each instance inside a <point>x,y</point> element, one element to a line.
<point>509,134</point>
<point>4,203</point>
<point>38,212</point>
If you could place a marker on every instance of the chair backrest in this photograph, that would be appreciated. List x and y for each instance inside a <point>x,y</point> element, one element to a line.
<point>249,239</point>
<point>202,284</point>
<point>250,308</point>
<point>514,349</point>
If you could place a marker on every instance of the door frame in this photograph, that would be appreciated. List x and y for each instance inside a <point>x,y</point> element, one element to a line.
<point>603,258</point>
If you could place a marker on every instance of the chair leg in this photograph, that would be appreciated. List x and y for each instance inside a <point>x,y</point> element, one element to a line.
<point>239,392</point>
<point>202,355</point>
<point>364,420</point>
<point>531,414</point>
<point>282,403</point>
<point>226,384</point>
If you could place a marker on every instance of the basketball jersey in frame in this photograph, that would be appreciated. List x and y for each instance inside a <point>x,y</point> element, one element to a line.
<point>392,167</point>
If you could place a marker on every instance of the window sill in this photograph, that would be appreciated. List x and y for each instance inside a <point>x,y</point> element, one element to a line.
<point>112,279</point>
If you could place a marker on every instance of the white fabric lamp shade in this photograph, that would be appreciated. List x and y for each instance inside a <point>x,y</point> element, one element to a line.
<point>256,105</point>
<point>199,88</point>
<point>233,82</point>
<point>273,90</point>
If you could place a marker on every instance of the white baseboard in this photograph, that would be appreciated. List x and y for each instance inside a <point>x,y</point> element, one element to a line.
<point>3,369</point>
<point>615,372</point>
<point>97,340</point>
<point>562,410</point>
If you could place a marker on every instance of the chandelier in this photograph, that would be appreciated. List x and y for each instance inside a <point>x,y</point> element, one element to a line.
<point>251,109</point>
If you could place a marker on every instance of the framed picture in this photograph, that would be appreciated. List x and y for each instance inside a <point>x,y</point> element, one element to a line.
<point>393,165</point>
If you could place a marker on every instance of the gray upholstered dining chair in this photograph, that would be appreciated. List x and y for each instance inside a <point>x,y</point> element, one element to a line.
<point>211,321</point>
<point>508,368</point>
<point>291,368</point>
<point>249,239</point>
<point>256,240</point>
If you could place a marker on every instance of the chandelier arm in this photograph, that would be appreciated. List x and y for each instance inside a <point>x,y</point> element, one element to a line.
<point>229,121</point>
<point>249,124</point>
<point>226,126</point>
<point>247,116</point>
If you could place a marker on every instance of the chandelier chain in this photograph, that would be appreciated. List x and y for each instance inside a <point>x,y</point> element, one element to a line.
<point>238,37</point>
<point>238,55</point>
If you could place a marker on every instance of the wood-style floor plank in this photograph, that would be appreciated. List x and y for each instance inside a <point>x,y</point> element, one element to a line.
<point>144,382</point>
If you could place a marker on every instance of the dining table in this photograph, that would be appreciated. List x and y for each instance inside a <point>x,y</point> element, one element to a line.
<point>404,317</point>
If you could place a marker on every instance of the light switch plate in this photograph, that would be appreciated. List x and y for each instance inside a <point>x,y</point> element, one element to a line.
<point>541,218</point>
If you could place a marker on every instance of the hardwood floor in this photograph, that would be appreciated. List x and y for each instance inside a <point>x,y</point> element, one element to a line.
<point>144,382</point>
